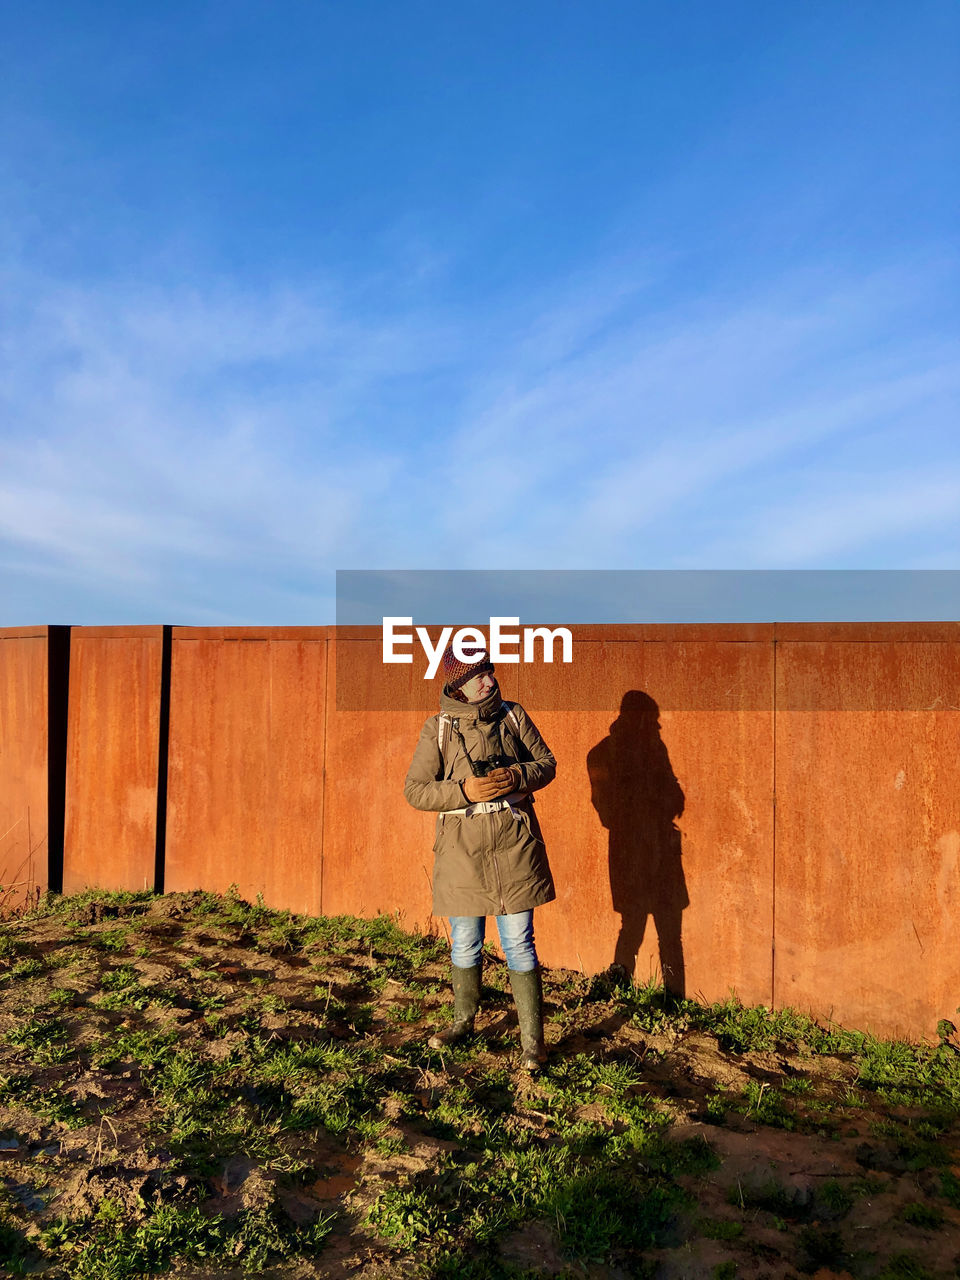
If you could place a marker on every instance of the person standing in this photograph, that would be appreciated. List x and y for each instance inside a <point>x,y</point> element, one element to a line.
<point>477,764</point>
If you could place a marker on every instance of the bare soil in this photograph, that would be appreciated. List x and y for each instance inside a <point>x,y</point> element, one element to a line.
<point>805,1169</point>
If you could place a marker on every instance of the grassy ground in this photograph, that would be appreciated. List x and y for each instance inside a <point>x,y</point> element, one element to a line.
<point>196,1084</point>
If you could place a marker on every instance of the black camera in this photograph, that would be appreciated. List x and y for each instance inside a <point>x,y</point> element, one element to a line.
<point>482,767</point>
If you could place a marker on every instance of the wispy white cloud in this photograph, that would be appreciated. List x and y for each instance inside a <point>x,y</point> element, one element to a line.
<point>844,515</point>
<point>211,454</point>
<point>148,434</point>
<point>618,453</point>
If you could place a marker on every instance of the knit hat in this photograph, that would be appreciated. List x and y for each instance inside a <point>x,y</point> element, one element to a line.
<point>457,673</point>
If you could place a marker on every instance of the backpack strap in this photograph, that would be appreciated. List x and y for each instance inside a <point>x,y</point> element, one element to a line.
<point>445,724</point>
<point>512,721</point>
<point>511,717</point>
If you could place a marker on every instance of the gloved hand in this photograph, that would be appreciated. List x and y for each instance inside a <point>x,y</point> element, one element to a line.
<point>499,782</point>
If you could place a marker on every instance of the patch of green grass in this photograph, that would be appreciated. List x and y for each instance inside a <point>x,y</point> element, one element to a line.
<point>109,1246</point>
<point>201,971</point>
<point>124,975</point>
<point>720,1228</point>
<point>834,1200</point>
<point>796,1084</point>
<point>32,967</point>
<point>884,1127</point>
<point>603,1209</point>
<point>137,999</point>
<point>391,1144</point>
<point>456,1113</point>
<point>206,1002</point>
<point>110,940</point>
<point>9,945</point>
<point>49,1104</point>
<point>868,1185</point>
<point>124,991</point>
<point>904,1266</point>
<point>950,1188</point>
<point>44,1041</point>
<point>765,1104</point>
<point>597,1208</point>
<point>900,1073</point>
<point>650,1007</point>
<point>716,1106</point>
<point>77,905</point>
<point>190,1102</point>
<point>160,996</point>
<point>910,1075</point>
<point>360,1018</point>
<point>618,1087</point>
<point>71,957</point>
<point>405,1012</point>
<point>273,1003</point>
<point>15,1250</point>
<point>407,1216</point>
<point>740,1028</point>
<point>918,1214</point>
<point>146,1048</point>
<point>64,996</point>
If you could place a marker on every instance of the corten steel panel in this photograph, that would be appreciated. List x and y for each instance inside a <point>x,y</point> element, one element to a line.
<point>870,632</point>
<point>253,633</point>
<point>659,825</point>
<point>868,833</point>
<point>23,764</point>
<point>245,768</point>
<point>674,632</point>
<point>377,849</point>
<point>112,758</point>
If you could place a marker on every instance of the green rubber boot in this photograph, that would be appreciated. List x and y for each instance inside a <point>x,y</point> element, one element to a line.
<point>527,991</point>
<point>466,1002</point>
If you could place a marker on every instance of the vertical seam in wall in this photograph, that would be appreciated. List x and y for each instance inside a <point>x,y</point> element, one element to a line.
<point>323,764</point>
<point>163,755</point>
<point>58,693</point>
<point>773,887</point>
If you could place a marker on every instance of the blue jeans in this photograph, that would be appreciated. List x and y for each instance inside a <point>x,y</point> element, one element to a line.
<point>516,938</point>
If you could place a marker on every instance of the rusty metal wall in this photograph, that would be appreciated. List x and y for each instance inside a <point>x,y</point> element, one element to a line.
<point>112,758</point>
<point>23,764</point>
<point>868,826</point>
<point>659,825</point>
<point>841,898</point>
<point>246,762</point>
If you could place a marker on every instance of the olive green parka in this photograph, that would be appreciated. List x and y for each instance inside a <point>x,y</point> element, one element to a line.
<point>485,864</point>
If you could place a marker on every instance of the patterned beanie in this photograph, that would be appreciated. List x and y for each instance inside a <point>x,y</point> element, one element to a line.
<point>457,673</point>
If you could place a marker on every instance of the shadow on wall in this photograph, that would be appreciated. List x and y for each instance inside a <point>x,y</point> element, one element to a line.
<point>638,799</point>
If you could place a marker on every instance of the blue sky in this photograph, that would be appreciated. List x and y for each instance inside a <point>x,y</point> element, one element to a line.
<point>293,287</point>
